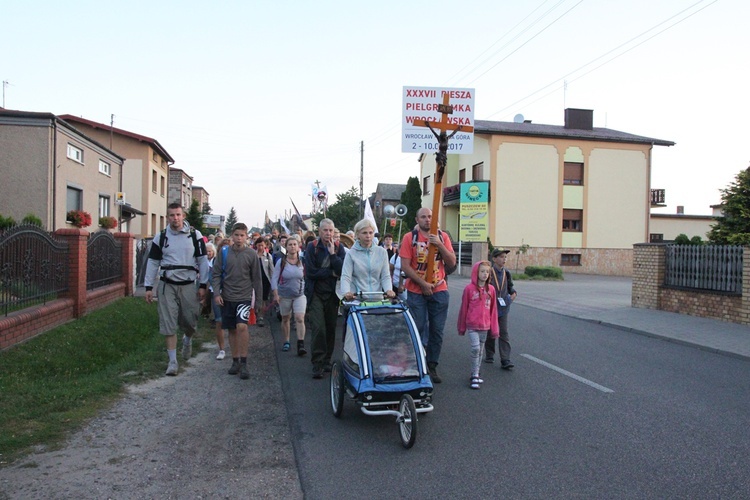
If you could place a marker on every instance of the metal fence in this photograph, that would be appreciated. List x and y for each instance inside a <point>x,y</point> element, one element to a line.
<point>142,248</point>
<point>33,268</point>
<point>704,267</point>
<point>104,264</point>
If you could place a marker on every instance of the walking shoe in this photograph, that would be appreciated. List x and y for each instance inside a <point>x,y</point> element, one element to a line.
<point>506,364</point>
<point>244,373</point>
<point>317,372</point>
<point>235,368</point>
<point>261,322</point>
<point>172,368</point>
<point>301,351</point>
<point>489,360</point>
<point>286,346</point>
<point>221,355</point>
<point>475,382</point>
<point>187,347</point>
<point>432,370</point>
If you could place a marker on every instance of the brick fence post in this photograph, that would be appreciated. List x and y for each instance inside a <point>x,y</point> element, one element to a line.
<point>77,267</point>
<point>649,267</point>
<point>745,302</point>
<point>127,241</point>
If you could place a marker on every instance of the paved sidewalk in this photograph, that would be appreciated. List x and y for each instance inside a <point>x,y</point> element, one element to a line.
<point>607,299</point>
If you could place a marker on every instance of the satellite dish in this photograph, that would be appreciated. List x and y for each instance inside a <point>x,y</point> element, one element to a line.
<point>388,210</point>
<point>401,210</point>
<point>518,118</point>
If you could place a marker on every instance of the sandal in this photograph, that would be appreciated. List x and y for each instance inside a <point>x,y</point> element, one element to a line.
<point>286,346</point>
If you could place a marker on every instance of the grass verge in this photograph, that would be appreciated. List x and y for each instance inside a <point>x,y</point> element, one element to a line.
<point>52,384</point>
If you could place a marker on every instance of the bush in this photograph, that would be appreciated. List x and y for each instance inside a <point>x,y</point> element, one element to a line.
<point>550,272</point>
<point>6,222</point>
<point>682,239</point>
<point>108,222</point>
<point>32,219</point>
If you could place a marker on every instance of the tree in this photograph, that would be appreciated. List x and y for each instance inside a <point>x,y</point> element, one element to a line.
<point>734,227</point>
<point>195,217</point>
<point>412,198</point>
<point>231,221</point>
<point>344,213</point>
<point>206,209</point>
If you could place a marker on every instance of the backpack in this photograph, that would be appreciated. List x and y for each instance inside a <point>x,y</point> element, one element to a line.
<point>156,251</point>
<point>414,239</point>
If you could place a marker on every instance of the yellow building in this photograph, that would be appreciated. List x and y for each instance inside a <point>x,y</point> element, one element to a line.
<point>578,195</point>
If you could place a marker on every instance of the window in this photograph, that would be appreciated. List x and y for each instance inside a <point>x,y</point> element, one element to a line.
<point>477,172</point>
<point>154,157</point>
<point>74,199</point>
<point>656,237</point>
<point>161,223</point>
<point>153,181</point>
<point>426,185</point>
<point>105,167</point>
<point>153,223</point>
<point>570,259</point>
<point>75,154</point>
<point>103,206</point>
<point>462,176</point>
<point>572,220</point>
<point>573,173</point>
<point>163,183</point>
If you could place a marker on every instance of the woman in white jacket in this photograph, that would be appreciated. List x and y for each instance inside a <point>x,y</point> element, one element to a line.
<point>366,267</point>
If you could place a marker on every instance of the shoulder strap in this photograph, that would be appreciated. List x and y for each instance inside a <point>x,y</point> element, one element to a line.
<point>162,238</point>
<point>224,253</point>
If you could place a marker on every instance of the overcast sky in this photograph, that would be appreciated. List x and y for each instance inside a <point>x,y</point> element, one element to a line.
<point>257,100</point>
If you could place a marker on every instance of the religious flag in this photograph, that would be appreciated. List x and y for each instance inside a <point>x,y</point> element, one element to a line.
<point>300,222</point>
<point>286,229</point>
<point>368,214</point>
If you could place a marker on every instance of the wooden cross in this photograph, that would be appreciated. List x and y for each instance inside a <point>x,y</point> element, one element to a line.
<point>441,160</point>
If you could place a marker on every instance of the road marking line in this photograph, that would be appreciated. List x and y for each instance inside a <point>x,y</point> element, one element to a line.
<point>567,373</point>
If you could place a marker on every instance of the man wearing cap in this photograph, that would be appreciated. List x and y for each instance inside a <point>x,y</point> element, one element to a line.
<point>500,279</point>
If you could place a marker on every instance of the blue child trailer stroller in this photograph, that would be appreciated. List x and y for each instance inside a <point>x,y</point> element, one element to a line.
<point>383,367</point>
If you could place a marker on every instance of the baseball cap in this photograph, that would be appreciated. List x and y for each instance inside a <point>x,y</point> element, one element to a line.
<point>498,251</point>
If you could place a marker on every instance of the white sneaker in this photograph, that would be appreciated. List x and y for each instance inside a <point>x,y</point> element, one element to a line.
<point>172,368</point>
<point>221,355</point>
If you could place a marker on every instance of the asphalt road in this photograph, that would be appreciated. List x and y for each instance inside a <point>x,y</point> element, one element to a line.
<point>589,412</point>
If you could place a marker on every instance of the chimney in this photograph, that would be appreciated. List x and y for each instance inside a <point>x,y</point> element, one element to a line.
<point>582,119</point>
<point>680,210</point>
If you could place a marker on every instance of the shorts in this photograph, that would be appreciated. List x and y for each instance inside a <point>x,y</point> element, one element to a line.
<point>234,313</point>
<point>178,306</point>
<point>287,305</point>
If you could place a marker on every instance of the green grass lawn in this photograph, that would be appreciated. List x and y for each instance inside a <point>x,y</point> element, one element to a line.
<point>50,385</point>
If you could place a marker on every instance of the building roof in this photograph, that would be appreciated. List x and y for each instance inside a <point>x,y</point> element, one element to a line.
<point>558,131</point>
<point>390,191</point>
<point>16,117</point>
<point>142,138</point>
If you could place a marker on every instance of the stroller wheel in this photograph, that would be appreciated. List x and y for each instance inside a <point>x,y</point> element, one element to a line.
<point>337,389</point>
<point>407,422</point>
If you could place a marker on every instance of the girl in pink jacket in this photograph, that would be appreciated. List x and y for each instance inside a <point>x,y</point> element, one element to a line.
<point>478,316</point>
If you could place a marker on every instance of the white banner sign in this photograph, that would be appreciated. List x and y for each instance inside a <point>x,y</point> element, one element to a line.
<point>421,103</point>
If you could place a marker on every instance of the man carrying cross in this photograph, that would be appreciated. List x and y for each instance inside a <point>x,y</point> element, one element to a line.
<point>427,297</point>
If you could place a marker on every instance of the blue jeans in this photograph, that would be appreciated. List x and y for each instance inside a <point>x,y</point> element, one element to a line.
<point>429,313</point>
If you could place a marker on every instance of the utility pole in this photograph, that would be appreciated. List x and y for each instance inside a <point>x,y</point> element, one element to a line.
<point>5,84</point>
<point>361,176</point>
